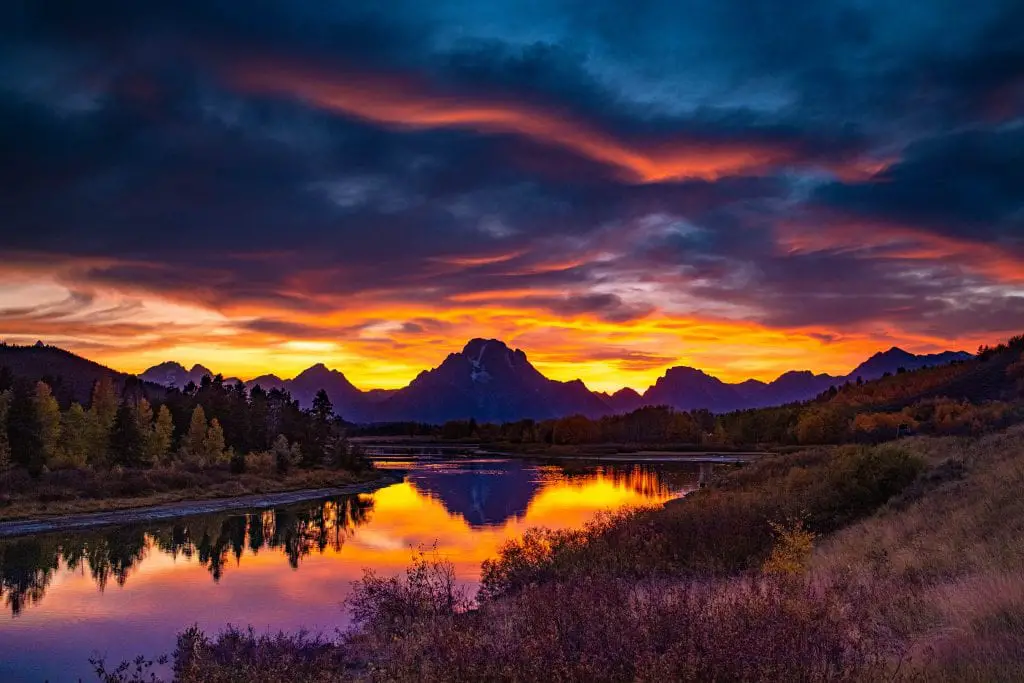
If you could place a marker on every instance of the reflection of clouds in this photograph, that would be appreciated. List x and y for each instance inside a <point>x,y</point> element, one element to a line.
<point>380,541</point>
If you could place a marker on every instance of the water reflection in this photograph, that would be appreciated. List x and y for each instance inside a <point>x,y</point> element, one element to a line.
<point>490,492</point>
<point>122,591</point>
<point>28,565</point>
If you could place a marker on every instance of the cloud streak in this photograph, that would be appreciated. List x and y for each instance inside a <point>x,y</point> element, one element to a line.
<point>404,103</point>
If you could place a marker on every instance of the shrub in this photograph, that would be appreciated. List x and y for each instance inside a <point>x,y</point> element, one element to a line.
<point>385,606</point>
<point>791,553</point>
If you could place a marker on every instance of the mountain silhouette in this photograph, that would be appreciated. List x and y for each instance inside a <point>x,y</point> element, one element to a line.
<point>488,381</point>
<point>491,382</point>
<point>173,374</point>
<point>895,358</point>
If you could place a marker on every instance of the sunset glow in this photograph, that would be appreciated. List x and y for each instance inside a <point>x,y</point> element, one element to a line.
<point>370,190</point>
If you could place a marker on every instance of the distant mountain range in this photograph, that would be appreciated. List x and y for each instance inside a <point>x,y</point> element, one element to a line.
<point>491,382</point>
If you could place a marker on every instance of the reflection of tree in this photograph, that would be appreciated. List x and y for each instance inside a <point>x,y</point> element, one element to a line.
<point>26,569</point>
<point>646,480</point>
<point>28,565</point>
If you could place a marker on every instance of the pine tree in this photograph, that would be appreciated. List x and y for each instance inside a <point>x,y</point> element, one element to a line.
<point>317,446</point>
<point>213,444</point>
<point>163,435</point>
<point>127,445</point>
<point>48,415</point>
<point>77,428</point>
<point>104,402</point>
<point>193,445</point>
<point>23,428</point>
<point>144,421</point>
<point>103,410</point>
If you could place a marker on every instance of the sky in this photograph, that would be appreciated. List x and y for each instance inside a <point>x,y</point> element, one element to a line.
<point>616,188</point>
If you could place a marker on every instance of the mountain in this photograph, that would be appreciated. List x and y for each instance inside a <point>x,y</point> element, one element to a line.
<point>787,388</point>
<point>622,401</point>
<point>268,382</point>
<point>895,358</point>
<point>348,401</point>
<point>687,388</point>
<point>71,377</point>
<point>172,374</point>
<point>488,381</point>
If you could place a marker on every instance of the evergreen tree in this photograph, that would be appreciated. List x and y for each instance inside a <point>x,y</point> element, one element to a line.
<point>163,435</point>
<point>23,428</point>
<point>104,402</point>
<point>193,445</point>
<point>48,415</point>
<point>103,410</point>
<point>144,421</point>
<point>213,443</point>
<point>127,443</point>
<point>77,428</point>
<point>323,409</point>
<point>317,446</point>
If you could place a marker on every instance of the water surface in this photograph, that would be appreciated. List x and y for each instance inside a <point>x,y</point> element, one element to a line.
<point>127,590</point>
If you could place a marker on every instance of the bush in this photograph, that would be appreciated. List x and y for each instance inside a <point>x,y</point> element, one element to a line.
<point>385,607</point>
<point>238,462</point>
<point>723,529</point>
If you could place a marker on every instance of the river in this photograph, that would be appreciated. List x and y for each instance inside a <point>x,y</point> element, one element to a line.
<point>121,591</point>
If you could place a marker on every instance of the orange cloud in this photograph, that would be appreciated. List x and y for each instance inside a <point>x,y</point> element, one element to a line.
<point>384,339</point>
<point>402,102</point>
<point>878,240</point>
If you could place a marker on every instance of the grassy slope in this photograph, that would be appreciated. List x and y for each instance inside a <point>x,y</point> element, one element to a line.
<point>956,547</point>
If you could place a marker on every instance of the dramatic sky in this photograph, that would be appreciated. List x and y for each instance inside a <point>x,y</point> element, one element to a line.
<point>615,187</point>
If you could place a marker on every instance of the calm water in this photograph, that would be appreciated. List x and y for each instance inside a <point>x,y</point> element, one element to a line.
<point>123,591</point>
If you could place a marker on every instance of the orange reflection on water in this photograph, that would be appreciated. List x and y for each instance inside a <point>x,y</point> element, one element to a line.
<point>129,591</point>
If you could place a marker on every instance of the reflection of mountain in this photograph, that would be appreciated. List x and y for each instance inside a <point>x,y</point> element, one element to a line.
<point>483,493</point>
<point>28,565</point>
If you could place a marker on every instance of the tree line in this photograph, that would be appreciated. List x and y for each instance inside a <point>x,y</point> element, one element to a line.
<point>205,425</point>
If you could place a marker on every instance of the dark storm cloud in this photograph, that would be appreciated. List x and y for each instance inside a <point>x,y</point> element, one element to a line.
<point>128,147</point>
<point>967,184</point>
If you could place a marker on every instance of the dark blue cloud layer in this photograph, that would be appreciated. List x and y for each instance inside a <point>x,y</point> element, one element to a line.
<point>124,140</point>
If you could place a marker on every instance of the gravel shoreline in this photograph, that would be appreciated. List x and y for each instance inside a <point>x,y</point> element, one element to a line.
<point>185,508</point>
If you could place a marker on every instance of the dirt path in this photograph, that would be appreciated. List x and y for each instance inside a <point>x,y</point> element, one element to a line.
<point>185,508</point>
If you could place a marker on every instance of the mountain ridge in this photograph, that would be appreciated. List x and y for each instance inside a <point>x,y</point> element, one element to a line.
<point>490,381</point>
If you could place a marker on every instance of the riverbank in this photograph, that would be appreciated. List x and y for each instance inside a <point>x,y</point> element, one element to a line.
<point>64,494</point>
<point>900,562</point>
<point>645,456</point>
<point>185,508</point>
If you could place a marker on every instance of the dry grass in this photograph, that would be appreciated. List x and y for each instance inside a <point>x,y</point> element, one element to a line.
<point>954,546</point>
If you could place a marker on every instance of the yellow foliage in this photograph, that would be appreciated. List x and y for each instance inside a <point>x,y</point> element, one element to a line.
<point>791,553</point>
